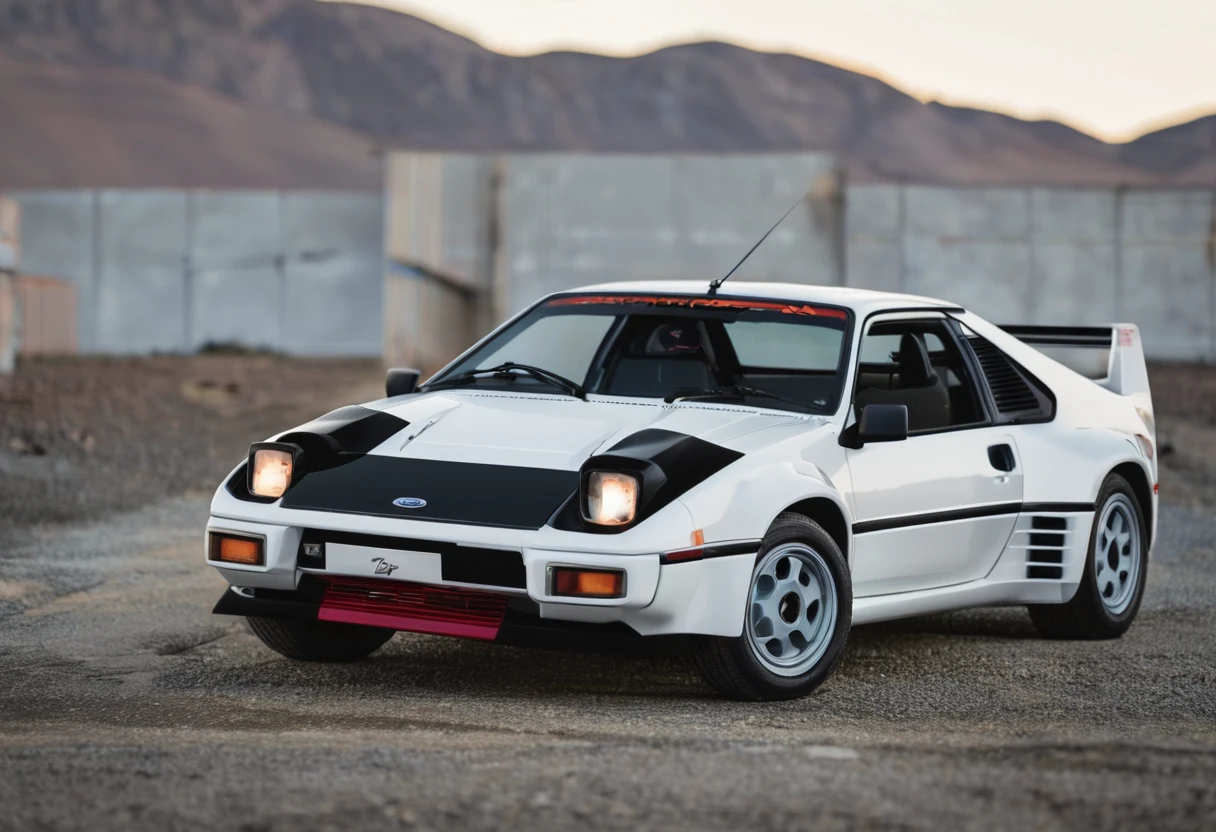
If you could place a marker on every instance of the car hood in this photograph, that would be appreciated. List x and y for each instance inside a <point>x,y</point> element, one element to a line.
<point>561,432</point>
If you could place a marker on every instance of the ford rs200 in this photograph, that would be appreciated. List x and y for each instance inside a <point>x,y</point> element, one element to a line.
<point>742,475</point>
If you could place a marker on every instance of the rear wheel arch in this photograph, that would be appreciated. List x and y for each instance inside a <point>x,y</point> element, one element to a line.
<point>830,517</point>
<point>1138,479</point>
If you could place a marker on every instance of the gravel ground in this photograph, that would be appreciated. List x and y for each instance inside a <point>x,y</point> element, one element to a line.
<point>124,704</point>
<point>83,437</point>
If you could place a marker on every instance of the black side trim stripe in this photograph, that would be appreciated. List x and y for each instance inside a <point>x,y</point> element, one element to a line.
<point>888,523</point>
<point>1056,508</point>
<point>994,510</point>
<point>713,550</point>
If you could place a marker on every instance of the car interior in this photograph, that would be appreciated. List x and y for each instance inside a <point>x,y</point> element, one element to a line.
<point>916,363</point>
<point>658,357</point>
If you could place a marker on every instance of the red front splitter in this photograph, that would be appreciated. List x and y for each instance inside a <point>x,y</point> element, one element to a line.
<point>414,608</point>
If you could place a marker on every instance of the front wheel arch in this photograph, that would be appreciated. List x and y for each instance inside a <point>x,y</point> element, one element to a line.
<point>831,519</point>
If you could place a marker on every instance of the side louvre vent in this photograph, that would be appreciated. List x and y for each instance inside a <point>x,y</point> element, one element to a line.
<point>1046,541</point>
<point>1017,395</point>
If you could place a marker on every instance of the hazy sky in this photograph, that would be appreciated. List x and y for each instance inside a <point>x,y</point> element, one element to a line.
<point>1112,67</point>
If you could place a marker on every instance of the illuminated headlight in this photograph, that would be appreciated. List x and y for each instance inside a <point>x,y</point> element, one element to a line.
<point>612,498</point>
<point>270,472</point>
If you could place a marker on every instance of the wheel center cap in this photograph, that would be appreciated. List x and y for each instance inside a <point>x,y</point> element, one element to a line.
<point>789,608</point>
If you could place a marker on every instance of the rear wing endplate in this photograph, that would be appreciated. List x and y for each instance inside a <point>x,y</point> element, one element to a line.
<point>1112,355</point>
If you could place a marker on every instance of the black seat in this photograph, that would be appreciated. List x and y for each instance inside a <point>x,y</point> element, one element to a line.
<point>913,362</point>
<point>918,387</point>
<point>668,358</point>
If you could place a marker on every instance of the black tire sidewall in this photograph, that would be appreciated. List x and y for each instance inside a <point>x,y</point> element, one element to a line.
<point>1088,590</point>
<point>773,685</point>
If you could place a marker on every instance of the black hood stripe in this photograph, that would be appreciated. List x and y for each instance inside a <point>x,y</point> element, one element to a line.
<point>454,492</point>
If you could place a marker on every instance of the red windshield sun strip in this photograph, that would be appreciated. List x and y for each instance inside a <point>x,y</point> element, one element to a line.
<point>703,303</point>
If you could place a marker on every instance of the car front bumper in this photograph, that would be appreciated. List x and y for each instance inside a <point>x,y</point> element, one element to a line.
<point>664,593</point>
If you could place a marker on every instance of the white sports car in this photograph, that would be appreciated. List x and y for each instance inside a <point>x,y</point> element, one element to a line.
<point>742,474</point>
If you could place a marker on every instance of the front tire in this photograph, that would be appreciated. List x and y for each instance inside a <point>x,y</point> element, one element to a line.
<point>319,641</point>
<point>1116,567</point>
<point>799,610</point>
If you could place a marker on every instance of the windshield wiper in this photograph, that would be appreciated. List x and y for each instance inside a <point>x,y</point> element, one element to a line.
<point>736,391</point>
<point>511,370</point>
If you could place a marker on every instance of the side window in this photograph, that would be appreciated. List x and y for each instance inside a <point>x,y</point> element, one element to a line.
<point>916,363</point>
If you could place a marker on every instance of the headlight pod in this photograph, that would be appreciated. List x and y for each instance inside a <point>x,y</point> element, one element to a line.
<point>272,467</point>
<point>610,498</point>
<point>636,478</point>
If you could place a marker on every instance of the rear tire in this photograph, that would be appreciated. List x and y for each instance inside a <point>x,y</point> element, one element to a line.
<point>1116,566</point>
<point>799,609</point>
<point>319,641</point>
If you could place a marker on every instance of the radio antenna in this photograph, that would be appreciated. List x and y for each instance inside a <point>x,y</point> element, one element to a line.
<point>714,284</point>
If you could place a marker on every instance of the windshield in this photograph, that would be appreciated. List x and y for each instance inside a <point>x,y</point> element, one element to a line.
<point>662,347</point>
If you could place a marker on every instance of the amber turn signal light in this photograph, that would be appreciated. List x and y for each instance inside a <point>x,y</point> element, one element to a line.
<point>588,583</point>
<point>231,549</point>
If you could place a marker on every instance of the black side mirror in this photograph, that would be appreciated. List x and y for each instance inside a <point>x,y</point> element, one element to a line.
<point>401,381</point>
<point>883,423</point>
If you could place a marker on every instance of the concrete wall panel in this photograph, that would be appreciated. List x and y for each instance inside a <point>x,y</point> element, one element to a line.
<point>971,213</point>
<point>874,210</point>
<point>242,305</point>
<point>441,212</point>
<point>991,278</point>
<point>571,220</point>
<point>332,308</point>
<point>1073,284</point>
<point>58,240</point>
<point>334,282</point>
<point>172,270</point>
<point>1168,294</point>
<point>235,281</point>
<point>141,296</point>
<point>1049,256</point>
<point>1167,215</point>
<point>875,263</point>
<point>1065,214</point>
<point>234,230</point>
<point>320,226</point>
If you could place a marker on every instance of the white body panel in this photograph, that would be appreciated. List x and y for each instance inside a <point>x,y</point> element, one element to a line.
<point>924,475</point>
<point>913,568</point>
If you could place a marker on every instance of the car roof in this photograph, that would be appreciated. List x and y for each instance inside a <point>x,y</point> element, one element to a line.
<point>862,301</point>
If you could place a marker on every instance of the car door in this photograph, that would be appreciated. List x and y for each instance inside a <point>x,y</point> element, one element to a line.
<point>937,508</point>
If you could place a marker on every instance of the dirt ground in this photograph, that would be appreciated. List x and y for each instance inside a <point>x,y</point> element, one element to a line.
<point>83,437</point>
<point>124,704</point>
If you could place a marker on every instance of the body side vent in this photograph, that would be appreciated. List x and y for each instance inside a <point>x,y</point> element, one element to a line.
<point>1018,396</point>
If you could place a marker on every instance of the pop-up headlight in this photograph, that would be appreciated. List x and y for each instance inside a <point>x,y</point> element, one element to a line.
<point>612,498</point>
<point>270,469</point>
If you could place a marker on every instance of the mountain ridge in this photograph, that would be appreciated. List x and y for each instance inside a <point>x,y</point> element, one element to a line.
<point>399,80</point>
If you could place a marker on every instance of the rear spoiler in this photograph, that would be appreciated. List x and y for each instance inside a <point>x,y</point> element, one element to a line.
<point>1112,355</point>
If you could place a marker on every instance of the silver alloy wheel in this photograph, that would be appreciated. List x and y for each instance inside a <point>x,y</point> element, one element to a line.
<point>792,609</point>
<point>1117,554</point>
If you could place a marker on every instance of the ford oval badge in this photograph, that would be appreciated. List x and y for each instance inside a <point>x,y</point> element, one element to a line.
<point>409,502</point>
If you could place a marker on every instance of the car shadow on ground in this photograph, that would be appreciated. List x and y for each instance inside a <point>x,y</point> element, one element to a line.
<point>988,622</point>
<point>435,666</point>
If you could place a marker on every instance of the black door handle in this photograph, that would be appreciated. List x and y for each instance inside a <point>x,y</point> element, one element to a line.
<point>1001,457</point>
